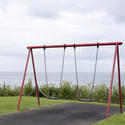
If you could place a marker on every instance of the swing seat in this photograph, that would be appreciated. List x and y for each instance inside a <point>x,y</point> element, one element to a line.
<point>53,98</point>
<point>85,100</point>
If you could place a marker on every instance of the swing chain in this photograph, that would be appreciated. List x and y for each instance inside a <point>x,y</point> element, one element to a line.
<point>76,73</point>
<point>62,69</point>
<point>94,75</point>
<point>46,75</point>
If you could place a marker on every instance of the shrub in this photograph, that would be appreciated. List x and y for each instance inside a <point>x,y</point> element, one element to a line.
<point>100,93</point>
<point>53,90</point>
<point>66,91</point>
<point>44,88</point>
<point>115,94</point>
<point>75,92</point>
<point>123,94</point>
<point>3,90</point>
<point>85,91</point>
<point>16,91</point>
<point>28,89</point>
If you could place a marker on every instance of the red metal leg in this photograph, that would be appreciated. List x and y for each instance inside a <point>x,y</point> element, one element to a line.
<point>119,79</point>
<point>112,77</point>
<point>24,76</point>
<point>37,90</point>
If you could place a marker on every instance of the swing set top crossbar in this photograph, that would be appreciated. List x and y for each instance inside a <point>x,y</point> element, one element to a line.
<point>76,45</point>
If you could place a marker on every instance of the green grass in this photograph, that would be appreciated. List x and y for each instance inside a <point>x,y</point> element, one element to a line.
<point>9,104</point>
<point>118,119</point>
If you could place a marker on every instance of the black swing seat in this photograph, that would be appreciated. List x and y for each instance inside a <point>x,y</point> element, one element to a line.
<point>53,98</point>
<point>85,100</point>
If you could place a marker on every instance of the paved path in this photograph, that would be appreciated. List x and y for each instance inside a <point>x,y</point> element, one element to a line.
<point>66,114</point>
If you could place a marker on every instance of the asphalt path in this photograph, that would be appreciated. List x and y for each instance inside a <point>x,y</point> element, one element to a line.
<point>62,114</point>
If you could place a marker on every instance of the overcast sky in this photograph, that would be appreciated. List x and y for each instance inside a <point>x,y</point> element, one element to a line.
<point>40,22</point>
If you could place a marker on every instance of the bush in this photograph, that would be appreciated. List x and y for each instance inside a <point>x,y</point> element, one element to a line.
<point>100,93</point>
<point>28,89</point>
<point>75,92</point>
<point>115,94</point>
<point>16,91</point>
<point>123,94</point>
<point>67,91</point>
<point>44,88</point>
<point>6,90</point>
<point>53,90</point>
<point>85,91</point>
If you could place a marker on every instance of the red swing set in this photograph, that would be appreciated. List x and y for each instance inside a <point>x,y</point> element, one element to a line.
<point>116,54</point>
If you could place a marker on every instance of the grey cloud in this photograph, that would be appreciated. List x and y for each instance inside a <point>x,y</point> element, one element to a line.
<point>12,51</point>
<point>3,5</point>
<point>116,9</point>
<point>49,9</point>
<point>52,9</point>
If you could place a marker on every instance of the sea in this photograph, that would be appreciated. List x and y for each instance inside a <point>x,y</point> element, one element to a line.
<point>15,78</point>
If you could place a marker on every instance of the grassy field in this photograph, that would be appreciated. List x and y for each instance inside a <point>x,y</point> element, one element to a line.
<point>9,104</point>
<point>118,119</point>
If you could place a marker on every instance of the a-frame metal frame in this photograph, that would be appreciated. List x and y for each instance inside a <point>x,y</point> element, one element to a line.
<point>116,54</point>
